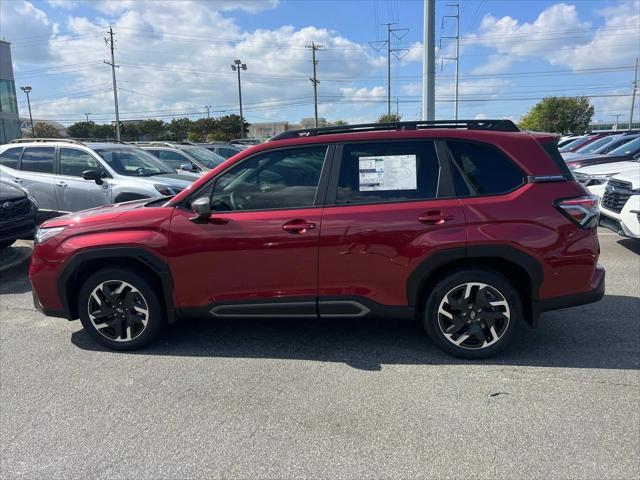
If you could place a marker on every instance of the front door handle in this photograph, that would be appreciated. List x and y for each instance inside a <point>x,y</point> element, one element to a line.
<point>17,179</point>
<point>298,226</point>
<point>434,217</point>
<point>61,184</point>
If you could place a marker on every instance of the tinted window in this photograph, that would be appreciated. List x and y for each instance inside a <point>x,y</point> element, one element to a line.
<point>9,158</point>
<point>38,159</point>
<point>388,172</point>
<point>226,152</point>
<point>133,162</point>
<point>482,170</point>
<point>73,162</point>
<point>272,180</point>
<point>629,148</point>
<point>173,159</point>
<point>551,150</point>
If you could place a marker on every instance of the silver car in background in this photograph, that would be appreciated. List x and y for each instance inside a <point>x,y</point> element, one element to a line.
<point>67,175</point>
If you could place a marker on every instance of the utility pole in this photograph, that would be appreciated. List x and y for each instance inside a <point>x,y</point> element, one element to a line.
<point>377,45</point>
<point>109,42</point>
<point>633,93</point>
<point>457,57</point>
<point>397,108</point>
<point>86,115</point>
<point>617,115</point>
<point>429,62</point>
<point>314,81</point>
<point>208,107</point>
<point>27,89</point>
<point>236,67</point>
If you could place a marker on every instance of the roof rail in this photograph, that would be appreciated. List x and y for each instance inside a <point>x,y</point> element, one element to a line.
<point>490,125</point>
<point>98,140</point>
<point>33,140</point>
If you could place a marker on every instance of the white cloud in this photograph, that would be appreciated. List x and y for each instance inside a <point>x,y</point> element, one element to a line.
<point>177,59</point>
<point>560,37</point>
<point>28,28</point>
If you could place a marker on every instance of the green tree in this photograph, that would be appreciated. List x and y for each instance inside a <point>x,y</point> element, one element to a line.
<point>44,130</point>
<point>202,129</point>
<point>228,127</point>
<point>386,118</point>
<point>559,115</point>
<point>81,129</point>
<point>150,129</point>
<point>340,122</point>
<point>104,130</point>
<point>176,130</point>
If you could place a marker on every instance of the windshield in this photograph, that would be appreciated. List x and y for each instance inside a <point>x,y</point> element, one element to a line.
<point>133,162</point>
<point>628,148</point>
<point>204,156</point>
<point>576,143</point>
<point>594,146</point>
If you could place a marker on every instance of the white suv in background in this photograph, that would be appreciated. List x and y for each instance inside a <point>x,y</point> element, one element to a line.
<point>620,204</point>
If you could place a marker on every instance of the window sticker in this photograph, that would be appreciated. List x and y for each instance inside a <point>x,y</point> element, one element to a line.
<point>388,172</point>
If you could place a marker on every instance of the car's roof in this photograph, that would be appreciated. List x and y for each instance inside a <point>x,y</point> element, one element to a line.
<point>108,145</point>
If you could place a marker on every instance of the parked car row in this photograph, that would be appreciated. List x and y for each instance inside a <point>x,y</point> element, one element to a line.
<point>610,169</point>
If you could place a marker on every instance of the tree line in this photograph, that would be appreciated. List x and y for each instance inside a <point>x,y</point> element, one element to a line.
<point>201,130</point>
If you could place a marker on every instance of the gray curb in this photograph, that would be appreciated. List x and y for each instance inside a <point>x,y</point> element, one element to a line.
<point>15,256</point>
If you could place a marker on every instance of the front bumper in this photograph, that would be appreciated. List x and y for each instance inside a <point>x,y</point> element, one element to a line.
<point>627,222</point>
<point>17,229</point>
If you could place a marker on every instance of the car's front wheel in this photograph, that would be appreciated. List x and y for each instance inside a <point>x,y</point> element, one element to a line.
<point>472,313</point>
<point>119,309</point>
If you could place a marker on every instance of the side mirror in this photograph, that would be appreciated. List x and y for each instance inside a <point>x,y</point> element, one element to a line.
<point>94,175</point>
<point>202,210</point>
<point>189,167</point>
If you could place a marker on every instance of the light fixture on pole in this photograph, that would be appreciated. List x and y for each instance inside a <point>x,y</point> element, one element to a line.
<point>86,114</point>
<point>236,67</point>
<point>27,89</point>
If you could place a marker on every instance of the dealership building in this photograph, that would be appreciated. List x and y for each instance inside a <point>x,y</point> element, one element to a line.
<point>9,122</point>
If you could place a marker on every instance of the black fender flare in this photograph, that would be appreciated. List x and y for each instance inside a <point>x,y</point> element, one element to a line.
<point>151,260</point>
<point>432,263</point>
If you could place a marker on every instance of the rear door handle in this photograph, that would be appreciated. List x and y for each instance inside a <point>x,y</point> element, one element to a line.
<point>434,217</point>
<point>17,179</point>
<point>298,226</point>
<point>61,183</point>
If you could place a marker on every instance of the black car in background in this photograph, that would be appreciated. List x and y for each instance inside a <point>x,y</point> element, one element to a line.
<point>18,214</point>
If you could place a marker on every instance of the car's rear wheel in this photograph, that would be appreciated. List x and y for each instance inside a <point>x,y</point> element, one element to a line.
<point>119,309</point>
<point>472,313</point>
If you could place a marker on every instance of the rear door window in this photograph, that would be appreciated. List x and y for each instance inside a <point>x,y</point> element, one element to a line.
<point>38,159</point>
<point>482,170</point>
<point>387,172</point>
<point>9,158</point>
<point>73,162</point>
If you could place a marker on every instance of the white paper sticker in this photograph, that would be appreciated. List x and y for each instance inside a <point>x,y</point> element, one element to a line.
<point>388,172</point>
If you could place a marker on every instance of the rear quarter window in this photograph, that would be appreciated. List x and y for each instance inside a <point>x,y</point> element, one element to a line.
<point>9,158</point>
<point>482,170</point>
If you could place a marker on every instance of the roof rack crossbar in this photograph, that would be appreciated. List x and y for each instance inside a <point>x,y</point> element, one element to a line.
<point>34,140</point>
<point>484,124</point>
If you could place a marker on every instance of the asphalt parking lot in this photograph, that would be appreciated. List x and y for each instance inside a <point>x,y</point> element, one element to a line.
<point>325,399</point>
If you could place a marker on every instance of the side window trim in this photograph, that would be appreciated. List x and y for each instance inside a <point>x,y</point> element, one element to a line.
<point>444,175</point>
<point>321,192</point>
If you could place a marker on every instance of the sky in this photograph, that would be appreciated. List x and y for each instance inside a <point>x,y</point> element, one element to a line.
<point>174,57</point>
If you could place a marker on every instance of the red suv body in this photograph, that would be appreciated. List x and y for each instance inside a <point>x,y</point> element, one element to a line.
<point>470,230</point>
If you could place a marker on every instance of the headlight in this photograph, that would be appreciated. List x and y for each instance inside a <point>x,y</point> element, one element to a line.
<point>164,189</point>
<point>44,234</point>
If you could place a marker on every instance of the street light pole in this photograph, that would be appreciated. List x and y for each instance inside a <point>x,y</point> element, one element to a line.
<point>27,89</point>
<point>208,107</point>
<point>236,67</point>
<point>86,114</point>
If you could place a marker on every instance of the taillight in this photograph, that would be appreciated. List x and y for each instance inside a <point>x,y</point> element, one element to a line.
<point>582,210</point>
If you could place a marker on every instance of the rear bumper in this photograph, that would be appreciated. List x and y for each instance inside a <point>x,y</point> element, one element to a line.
<point>594,294</point>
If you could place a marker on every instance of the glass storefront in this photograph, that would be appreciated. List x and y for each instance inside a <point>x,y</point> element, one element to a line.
<point>8,101</point>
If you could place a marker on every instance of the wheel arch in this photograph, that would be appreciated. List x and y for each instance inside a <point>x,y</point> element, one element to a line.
<point>87,261</point>
<point>524,271</point>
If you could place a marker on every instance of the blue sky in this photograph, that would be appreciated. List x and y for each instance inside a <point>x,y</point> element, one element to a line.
<point>174,56</point>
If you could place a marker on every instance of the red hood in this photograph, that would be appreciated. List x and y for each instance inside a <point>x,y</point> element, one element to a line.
<point>106,212</point>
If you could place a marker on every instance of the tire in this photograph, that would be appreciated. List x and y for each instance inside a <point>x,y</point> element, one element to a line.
<point>134,317</point>
<point>472,313</point>
<point>6,244</point>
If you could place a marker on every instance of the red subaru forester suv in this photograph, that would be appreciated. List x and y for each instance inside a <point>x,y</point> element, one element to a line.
<point>471,227</point>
